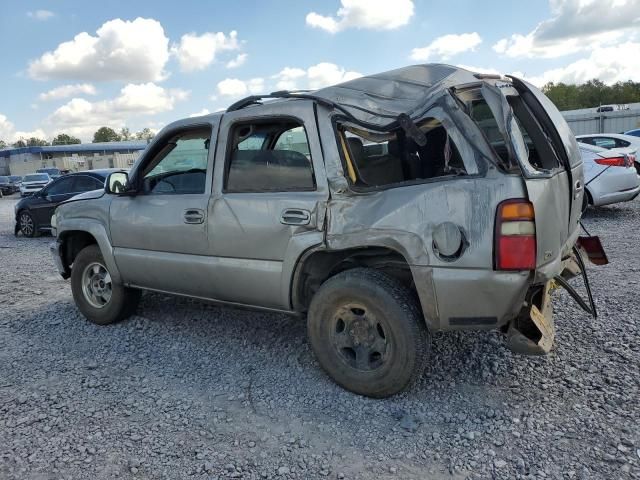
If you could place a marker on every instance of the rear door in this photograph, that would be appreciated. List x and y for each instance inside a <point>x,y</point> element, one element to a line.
<point>553,177</point>
<point>563,141</point>
<point>269,202</point>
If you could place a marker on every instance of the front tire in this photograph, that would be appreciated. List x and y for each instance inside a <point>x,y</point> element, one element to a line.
<point>367,332</point>
<point>101,300</point>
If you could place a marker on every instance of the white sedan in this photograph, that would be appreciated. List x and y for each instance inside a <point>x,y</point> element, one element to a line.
<point>609,176</point>
<point>615,141</point>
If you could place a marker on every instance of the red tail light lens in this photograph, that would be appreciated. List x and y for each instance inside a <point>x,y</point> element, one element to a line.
<point>515,237</point>
<point>613,161</point>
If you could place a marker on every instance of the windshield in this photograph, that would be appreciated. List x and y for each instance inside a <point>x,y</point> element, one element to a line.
<point>42,177</point>
<point>15,178</point>
<point>50,171</point>
<point>4,179</point>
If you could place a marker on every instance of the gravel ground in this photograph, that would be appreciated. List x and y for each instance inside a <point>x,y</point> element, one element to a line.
<point>190,390</point>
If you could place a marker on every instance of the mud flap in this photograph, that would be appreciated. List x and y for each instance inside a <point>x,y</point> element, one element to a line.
<point>533,331</point>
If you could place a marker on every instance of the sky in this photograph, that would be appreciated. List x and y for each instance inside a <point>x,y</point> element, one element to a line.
<point>73,66</point>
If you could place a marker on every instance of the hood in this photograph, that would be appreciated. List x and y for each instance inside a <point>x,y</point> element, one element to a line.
<point>93,194</point>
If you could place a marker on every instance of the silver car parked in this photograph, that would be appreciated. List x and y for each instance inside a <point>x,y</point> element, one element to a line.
<point>383,209</point>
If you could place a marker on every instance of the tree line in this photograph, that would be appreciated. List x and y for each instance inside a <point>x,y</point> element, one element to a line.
<point>103,134</point>
<point>591,94</point>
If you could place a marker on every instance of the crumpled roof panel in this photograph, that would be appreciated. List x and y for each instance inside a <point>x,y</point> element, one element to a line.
<point>393,92</point>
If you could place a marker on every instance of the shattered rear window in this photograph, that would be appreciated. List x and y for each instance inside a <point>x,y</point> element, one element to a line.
<point>375,159</point>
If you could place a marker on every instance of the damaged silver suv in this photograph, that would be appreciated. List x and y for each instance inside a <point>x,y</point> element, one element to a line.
<point>383,209</point>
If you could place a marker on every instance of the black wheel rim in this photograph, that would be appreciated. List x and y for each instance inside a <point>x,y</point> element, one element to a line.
<point>26,224</point>
<point>360,338</point>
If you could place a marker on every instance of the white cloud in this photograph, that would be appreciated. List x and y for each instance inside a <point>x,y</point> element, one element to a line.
<point>373,14</point>
<point>234,87</point>
<point>288,78</point>
<point>486,70</point>
<point>196,52</point>
<point>575,25</point>
<point>130,51</point>
<point>317,76</point>
<point>204,111</point>
<point>65,91</point>
<point>325,74</point>
<point>81,117</point>
<point>446,46</point>
<point>617,63</point>
<point>236,62</point>
<point>41,14</point>
<point>9,134</point>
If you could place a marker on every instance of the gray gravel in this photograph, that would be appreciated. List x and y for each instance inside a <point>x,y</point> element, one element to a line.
<point>190,390</point>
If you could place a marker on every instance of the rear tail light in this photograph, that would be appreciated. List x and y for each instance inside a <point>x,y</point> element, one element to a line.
<point>631,159</point>
<point>613,161</point>
<point>515,237</point>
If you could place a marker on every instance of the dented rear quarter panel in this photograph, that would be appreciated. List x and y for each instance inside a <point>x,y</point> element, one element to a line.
<point>404,218</point>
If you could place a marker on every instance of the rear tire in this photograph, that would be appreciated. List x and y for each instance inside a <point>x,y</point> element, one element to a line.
<point>367,332</point>
<point>101,300</point>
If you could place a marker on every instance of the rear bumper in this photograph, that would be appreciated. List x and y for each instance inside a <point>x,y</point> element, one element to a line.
<point>614,185</point>
<point>473,299</point>
<point>616,197</point>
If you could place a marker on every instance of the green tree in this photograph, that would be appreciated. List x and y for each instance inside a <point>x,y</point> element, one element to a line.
<point>106,134</point>
<point>592,94</point>
<point>20,143</point>
<point>36,142</point>
<point>125,134</point>
<point>145,134</point>
<point>3,144</point>
<point>64,139</point>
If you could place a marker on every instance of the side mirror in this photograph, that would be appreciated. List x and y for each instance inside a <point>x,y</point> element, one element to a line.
<point>117,183</point>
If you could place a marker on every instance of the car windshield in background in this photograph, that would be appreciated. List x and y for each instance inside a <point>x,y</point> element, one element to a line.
<point>4,180</point>
<point>50,171</point>
<point>42,177</point>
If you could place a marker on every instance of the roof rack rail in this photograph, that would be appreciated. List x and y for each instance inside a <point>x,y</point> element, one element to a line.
<point>304,94</point>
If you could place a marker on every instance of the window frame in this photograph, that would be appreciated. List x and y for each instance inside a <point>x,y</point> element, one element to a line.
<point>158,145</point>
<point>96,180</point>
<point>57,182</point>
<point>232,127</point>
<point>339,119</point>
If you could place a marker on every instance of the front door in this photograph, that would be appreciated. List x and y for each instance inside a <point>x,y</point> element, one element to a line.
<point>160,234</point>
<point>270,202</point>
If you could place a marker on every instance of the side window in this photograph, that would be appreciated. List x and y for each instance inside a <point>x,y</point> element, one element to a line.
<point>61,187</point>
<point>604,142</point>
<point>375,159</point>
<point>85,183</point>
<point>621,143</point>
<point>269,157</point>
<point>180,167</point>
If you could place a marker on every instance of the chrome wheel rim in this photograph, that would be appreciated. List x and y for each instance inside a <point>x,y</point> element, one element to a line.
<point>96,285</point>
<point>26,224</point>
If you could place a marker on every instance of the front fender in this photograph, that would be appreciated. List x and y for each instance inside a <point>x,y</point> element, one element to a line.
<point>97,230</point>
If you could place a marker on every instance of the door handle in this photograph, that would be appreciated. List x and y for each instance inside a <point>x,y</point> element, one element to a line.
<point>194,216</point>
<point>295,216</point>
<point>577,189</point>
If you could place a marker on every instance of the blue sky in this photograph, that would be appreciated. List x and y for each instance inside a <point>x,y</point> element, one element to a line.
<point>73,66</point>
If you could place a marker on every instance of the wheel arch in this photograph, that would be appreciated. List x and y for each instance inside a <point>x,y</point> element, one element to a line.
<point>317,265</point>
<point>74,236</point>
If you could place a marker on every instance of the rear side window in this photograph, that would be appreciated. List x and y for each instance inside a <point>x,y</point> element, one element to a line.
<point>387,159</point>
<point>269,157</point>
